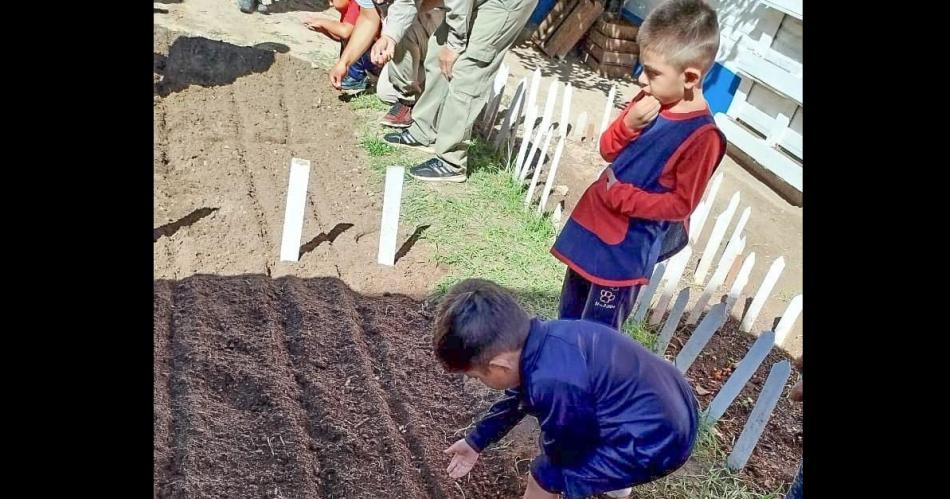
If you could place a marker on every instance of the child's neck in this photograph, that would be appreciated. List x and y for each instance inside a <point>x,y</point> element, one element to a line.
<point>692,101</point>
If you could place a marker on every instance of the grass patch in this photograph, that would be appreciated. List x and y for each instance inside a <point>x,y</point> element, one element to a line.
<point>642,332</point>
<point>376,147</point>
<point>368,101</point>
<point>481,229</point>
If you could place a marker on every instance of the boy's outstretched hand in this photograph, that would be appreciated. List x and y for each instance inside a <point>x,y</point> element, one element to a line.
<point>463,458</point>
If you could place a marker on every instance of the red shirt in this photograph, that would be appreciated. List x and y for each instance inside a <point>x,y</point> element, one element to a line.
<point>350,14</point>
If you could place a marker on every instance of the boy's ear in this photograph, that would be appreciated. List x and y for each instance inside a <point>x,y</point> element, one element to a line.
<point>503,361</point>
<point>692,78</point>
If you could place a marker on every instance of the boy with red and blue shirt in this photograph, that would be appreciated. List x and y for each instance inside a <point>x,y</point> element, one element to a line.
<point>357,77</point>
<point>663,149</point>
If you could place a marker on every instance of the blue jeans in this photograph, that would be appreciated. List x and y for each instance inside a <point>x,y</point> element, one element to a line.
<point>362,66</point>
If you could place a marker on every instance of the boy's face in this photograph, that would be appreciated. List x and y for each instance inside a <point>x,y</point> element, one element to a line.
<point>664,81</point>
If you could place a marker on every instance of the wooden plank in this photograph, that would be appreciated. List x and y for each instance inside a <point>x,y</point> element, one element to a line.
<point>591,133</point>
<point>779,163</point>
<point>608,109</point>
<point>514,112</point>
<point>550,100</point>
<point>741,280</point>
<point>791,139</point>
<point>606,70</point>
<point>785,324</point>
<point>737,381</point>
<point>573,28</point>
<point>672,322</point>
<point>761,412</point>
<point>608,57</point>
<point>389,225</point>
<point>786,49</point>
<point>612,44</point>
<point>715,282</point>
<point>617,28</point>
<point>676,267</point>
<point>562,124</point>
<point>294,210</point>
<point>700,337</point>
<point>698,220</point>
<point>763,293</point>
<point>553,20</point>
<point>579,129</point>
<point>715,239</point>
<point>549,183</point>
<point>531,110</point>
<point>764,107</point>
<point>537,169</point>
<point>490,113</point>
<point>645,297</point>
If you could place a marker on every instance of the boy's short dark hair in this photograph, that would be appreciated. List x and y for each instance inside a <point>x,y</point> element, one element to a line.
<point>477,320</point>
<point>685,32</point>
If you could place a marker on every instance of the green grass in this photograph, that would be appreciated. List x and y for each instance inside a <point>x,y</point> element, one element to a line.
<point>641,332</point>
<point>376,147</point>
<point>711,482</point>
<point>480,229</point>
<point>368,101</point>
<point>706,476</point>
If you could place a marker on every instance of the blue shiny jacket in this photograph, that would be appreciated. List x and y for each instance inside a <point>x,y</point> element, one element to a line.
<point>612,413</point>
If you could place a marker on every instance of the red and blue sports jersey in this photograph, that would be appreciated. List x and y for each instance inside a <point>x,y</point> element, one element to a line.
<point>615,236</point>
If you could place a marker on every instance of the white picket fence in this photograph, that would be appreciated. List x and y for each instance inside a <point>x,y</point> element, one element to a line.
<point>722,258</point>
<point>534,158</point>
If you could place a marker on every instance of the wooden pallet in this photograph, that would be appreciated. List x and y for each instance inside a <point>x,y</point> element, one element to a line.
<point>552,21</point>
<point>608,57</point>
<point>606,70</point>
<point>612,44</point>
<point>619,28</point>
<point>573,28</point>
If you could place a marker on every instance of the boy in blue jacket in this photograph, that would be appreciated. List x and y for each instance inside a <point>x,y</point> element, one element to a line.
<point>612,414</point>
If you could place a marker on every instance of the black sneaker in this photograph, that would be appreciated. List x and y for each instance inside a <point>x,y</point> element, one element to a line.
<point>405,139</point>
<point>435,170</point>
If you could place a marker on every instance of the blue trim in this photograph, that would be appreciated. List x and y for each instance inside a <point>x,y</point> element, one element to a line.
<point>544,6</point>
<point>630,16</point>
<point>719,88</point>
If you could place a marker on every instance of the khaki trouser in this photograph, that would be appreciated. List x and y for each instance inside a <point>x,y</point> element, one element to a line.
<point>406,73</point>
<point>446,110</point>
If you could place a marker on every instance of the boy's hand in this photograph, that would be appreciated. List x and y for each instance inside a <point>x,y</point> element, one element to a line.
<point>313,22</point>
<point>463,458</point>
<point>644,110</point>
<point>337,74</point>
<point>447,58</point>
<point>383,50</point>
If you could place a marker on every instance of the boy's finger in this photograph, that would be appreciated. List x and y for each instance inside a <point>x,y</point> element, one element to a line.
<point>458,472</point>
